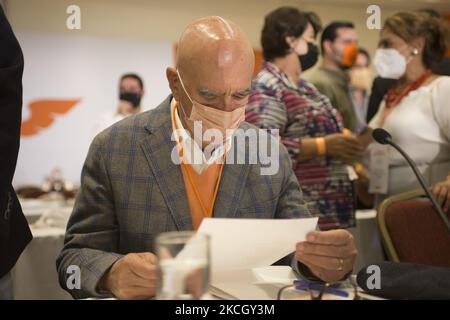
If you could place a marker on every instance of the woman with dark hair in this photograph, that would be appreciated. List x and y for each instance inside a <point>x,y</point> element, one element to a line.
<point>310,128</point>
<point>416,110</point>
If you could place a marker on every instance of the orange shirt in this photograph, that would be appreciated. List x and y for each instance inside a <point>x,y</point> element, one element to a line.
<point>205,184</point>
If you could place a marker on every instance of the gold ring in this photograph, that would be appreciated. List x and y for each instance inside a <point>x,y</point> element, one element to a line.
<point>341,265</point>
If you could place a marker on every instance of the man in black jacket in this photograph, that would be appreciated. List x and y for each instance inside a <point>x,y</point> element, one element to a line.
<point>14,231</point>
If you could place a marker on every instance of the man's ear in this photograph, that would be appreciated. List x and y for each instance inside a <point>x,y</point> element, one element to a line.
<point>327,47</point>
<point>174,82</point>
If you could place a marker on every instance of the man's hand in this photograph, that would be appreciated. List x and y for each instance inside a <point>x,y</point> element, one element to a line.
<point>132,277</point>
<point>329,254</point>
<point>344,147</point>
<point>441,191</point>
<point>365,137</point>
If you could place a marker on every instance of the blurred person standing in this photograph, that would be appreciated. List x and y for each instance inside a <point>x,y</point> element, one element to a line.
<point>14,231</point>
<point>309,126</point>
<point>131,91</point>
<point>416,109</point>
<point>339,47</point>
<point>360,83</point>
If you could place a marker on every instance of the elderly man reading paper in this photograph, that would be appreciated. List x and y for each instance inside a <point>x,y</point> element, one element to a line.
<point>132,187</point>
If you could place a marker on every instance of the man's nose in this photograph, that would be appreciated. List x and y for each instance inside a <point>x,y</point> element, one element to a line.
<point>228,103</point>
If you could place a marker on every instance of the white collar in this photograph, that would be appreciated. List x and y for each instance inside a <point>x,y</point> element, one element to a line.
<point>192,153</point>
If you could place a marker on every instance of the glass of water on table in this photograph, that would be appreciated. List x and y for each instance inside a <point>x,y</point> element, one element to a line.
<point>183,265</point>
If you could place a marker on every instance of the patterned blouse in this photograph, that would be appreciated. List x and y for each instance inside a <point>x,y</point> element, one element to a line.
<point>301,111</point>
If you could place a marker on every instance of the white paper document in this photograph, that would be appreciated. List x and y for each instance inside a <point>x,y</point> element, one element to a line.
<point>252,284</point>
<point>238,244</point>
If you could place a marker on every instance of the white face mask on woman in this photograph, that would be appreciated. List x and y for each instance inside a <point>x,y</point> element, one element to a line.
<point>389,63</point>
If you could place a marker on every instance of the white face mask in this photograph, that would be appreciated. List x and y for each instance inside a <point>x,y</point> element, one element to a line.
<point>389,63</point>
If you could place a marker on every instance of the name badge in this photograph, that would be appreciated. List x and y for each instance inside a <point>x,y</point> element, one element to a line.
<point>352,175</point>
<point>379,169</point>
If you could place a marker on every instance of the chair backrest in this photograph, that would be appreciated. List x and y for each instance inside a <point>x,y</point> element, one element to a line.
<point>412,231</point>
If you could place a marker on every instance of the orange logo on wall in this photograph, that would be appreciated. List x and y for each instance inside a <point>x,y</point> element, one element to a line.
<point>43,114</point>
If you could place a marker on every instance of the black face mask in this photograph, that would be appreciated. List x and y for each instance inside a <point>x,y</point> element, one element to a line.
<point>310,58</point>
<point>131,97</point>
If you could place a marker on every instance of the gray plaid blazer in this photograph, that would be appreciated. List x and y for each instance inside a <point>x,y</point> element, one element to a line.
<point>131,191</point>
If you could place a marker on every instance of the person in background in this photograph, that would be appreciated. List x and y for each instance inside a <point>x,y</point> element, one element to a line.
<point>360,82</point>
<point>416,109</point>
<point>131,91</point>
<point>14,231</point>
<point>339,47</point>
<point>310,128</point>
<point>381,85</point>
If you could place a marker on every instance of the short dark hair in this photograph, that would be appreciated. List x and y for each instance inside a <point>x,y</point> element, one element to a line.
<point>365,53</point>
<point>279,24</point>
<point>330,31</point>
<point>133,76</point>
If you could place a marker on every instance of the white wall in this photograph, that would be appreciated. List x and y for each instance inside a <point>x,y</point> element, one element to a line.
<point>85,68</point>
<point>163,20</point>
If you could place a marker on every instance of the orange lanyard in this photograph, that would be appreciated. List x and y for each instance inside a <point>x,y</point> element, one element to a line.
<point>206,213</point>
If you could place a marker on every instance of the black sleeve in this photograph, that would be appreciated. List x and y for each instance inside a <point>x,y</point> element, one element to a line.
<point>443,68</point>
<point>379,88</point>
<point>14,231</point>
<point>11,69</point>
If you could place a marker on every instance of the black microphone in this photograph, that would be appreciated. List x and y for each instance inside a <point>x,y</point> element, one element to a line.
<point>402,280</point>
<point>383,137</point>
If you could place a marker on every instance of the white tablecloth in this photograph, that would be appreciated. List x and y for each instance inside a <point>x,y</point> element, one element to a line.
<point>367,240</point>
<point>35,276</point>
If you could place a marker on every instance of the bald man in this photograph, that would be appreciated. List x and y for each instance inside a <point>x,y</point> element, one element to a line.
<point>139,178</point>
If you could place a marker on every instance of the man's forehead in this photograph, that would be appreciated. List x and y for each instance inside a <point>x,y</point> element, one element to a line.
<point>215,27</point>
<point>129,82</point>
<point>213,42</point>
<point>210,28</point>
<point>346,33</point>
<point>225,53</point>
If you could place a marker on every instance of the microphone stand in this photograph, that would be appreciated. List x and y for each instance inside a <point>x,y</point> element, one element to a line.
<point>419,176</point>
